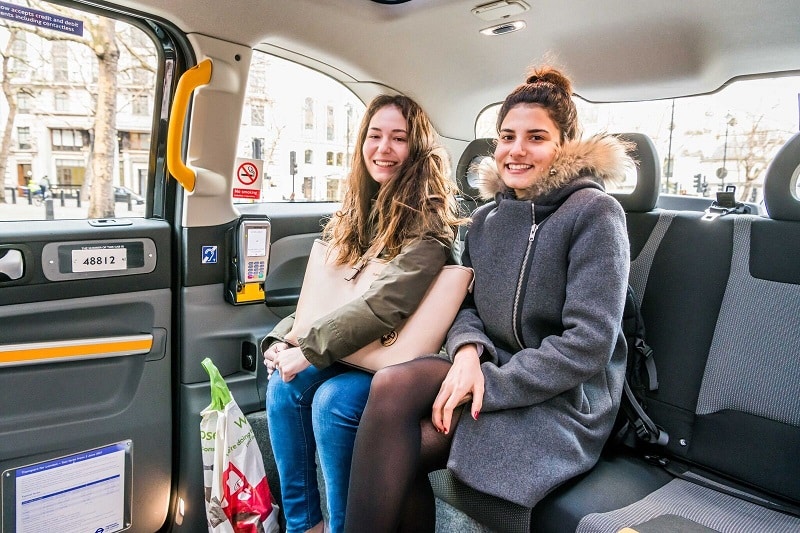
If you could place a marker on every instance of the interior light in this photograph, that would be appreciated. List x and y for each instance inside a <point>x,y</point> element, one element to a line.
<point>500,9</point>
<point>506,27</point>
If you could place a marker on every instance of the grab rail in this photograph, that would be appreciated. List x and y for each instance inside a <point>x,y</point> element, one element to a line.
<point>193,78</point>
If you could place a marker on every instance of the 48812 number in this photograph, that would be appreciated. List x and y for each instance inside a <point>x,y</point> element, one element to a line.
<point>99,260</point>
<point>95,260</point>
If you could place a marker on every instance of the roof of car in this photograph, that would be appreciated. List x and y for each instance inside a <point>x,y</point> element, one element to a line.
<point>614,50</point>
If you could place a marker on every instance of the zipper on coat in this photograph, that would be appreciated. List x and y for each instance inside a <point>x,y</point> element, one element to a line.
<point>524,274</point>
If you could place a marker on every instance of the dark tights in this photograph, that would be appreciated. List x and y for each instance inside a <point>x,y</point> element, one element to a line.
<point>396,446</point>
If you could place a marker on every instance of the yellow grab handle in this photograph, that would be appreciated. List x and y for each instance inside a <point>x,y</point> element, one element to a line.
<point>193,78</point>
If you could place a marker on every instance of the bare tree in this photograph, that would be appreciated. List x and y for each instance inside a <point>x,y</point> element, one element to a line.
<point>105,120</point>
<point>272,143</point>
<point>754,149</point>
<point>11,99</point>
<point>100,37</point>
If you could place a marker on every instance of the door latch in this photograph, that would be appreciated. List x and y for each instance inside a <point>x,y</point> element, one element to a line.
<point>12,265</point>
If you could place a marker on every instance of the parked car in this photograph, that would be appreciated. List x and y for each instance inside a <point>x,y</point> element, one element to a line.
<point>121,194</point>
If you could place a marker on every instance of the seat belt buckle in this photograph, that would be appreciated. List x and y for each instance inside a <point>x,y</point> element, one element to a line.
<point>725,204</point>
<point>641,430</point>
<point>714,212</point>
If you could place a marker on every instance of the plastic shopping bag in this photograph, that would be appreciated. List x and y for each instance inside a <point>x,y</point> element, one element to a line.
<point>238,499</point>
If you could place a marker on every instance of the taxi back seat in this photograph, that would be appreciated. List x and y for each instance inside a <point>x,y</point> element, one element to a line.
<point>721,304</point>
<point>723,319</point>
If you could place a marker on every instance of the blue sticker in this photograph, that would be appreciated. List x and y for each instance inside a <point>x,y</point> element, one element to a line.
<point>209,255</point>
<point>41,19</point>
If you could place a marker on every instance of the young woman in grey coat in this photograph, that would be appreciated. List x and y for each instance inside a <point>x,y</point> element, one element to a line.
<point>538,346</point>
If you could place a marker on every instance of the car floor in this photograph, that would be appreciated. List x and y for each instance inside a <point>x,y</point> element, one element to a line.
<point>451,520</point>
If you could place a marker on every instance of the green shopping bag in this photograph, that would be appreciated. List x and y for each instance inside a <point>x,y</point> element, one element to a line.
<point>238,499</point>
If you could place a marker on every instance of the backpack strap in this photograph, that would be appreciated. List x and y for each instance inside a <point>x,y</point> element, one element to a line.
<point>640,361</point>
<point>643,425</point>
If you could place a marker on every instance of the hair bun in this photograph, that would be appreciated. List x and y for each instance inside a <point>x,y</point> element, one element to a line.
<point>551,75</point>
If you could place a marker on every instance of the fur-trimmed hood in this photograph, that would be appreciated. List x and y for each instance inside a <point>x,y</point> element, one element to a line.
<point>602,157</point>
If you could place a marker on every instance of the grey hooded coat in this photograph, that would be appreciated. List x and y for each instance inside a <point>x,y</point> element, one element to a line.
<point>551,271</point>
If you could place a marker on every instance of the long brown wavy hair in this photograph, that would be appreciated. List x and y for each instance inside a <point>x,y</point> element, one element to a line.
<point>418,202</point>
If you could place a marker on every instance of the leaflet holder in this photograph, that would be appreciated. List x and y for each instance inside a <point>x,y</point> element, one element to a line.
<point>249,260</point>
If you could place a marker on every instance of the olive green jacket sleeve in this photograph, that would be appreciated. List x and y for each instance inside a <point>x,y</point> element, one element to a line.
<point>392,297</point>
<point>278,333</point>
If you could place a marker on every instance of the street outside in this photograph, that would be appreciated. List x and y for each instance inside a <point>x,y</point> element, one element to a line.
<point>24,211</point>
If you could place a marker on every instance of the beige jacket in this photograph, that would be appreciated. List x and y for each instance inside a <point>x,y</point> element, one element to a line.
<point>391,298</point>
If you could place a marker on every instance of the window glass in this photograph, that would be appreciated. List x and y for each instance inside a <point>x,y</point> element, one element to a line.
<point>23,102</point>
<point>331,122</point>
<point>308,114</point>
<point>257,114</point>
<point>705,143</point>
<point>24,138</point>
<point>317,124</point>
<point>140,104</point>
<point>62,74</point>
<point>60,101</point>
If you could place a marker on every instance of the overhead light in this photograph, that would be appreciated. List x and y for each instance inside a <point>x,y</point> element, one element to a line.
<point>500,9</point>
<point>506,27</point>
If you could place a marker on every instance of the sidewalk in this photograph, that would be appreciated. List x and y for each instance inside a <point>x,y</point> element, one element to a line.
<point>22,211</point>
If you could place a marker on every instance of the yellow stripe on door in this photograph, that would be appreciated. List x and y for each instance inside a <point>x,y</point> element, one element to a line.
<point>67,350</point>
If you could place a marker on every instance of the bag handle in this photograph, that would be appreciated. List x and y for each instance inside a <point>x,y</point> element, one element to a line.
<point>220,394</point>
<point>359,265</point>
<point>356,269</point>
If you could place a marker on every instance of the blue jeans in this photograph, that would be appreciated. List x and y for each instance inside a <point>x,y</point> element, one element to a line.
<point>318,411</point>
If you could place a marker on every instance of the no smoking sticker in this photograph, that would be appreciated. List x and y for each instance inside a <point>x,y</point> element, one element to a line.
<point>247,182</point>
<point>247,173</point>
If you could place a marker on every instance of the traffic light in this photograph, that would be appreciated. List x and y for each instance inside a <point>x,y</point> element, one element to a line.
<point>698,182</point>
<point>292,162</point>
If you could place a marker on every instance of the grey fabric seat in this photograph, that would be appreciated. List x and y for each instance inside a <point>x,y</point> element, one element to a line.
<point>721,302</point>
<point>727,392</point>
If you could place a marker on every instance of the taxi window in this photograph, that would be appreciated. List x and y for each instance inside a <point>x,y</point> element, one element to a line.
<point>705,142</point>
<point>77,104</point>
<point>300,126</point>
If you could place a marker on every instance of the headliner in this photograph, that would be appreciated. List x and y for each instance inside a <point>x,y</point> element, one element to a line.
<point>614,50</point>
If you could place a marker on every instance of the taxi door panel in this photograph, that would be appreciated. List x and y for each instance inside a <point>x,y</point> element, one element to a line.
<point>85,363</point>
<point>230,334</point>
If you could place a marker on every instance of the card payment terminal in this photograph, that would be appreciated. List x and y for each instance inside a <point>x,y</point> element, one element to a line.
<point>249,260</point>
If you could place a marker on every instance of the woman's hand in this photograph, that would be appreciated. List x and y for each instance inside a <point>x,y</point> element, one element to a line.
<point>465,378</point>
<point>271,353</point>
<point>290,362</point>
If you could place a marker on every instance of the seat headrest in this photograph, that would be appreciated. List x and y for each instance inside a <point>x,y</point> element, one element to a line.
<point>780,182</point>
<point>481,147</point>
<point>644,196</point>
<point>642,199</point>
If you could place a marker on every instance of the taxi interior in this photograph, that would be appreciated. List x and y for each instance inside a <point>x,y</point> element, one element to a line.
<point>91,360</point>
